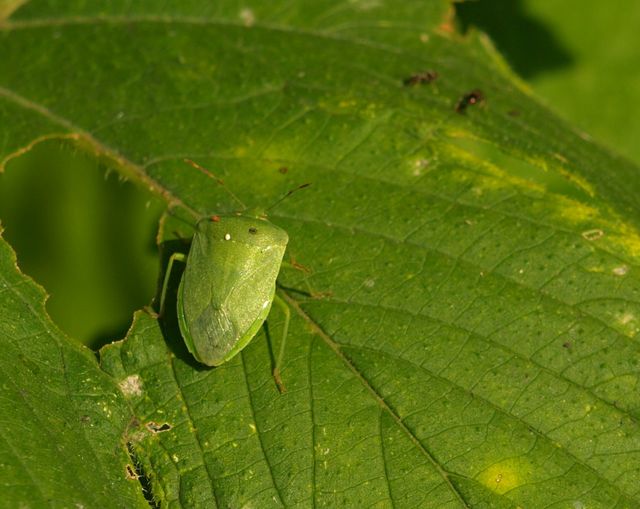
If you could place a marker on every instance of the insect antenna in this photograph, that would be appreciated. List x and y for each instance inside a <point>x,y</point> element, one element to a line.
<point>289,193</point>
<point>171,213</point>
<point>217,179</point>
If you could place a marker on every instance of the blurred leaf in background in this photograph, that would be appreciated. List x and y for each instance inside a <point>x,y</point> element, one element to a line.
<point>86,235</point>
<point>582,57</point>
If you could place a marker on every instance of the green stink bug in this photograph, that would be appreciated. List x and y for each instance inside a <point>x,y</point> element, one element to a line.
<point>229,283</point>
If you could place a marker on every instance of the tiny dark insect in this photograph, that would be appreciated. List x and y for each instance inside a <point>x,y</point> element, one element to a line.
<point>283,169</point>
<point>420,78</point>
<point>474,97</point>
<point>253,230</point>
<point>566,344</point>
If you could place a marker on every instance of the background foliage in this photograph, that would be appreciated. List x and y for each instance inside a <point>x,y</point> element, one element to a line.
<point>581,58</point>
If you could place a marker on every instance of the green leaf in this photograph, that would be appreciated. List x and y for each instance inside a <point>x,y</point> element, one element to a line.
<point>477,343</point>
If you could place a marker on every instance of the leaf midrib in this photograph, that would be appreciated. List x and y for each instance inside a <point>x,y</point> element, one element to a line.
<point>335,347</point>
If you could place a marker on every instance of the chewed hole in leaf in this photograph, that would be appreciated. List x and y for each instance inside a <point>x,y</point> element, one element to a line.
<point>155,427</point>
<point>85,235</point>
<point>131,472</point>
<point>136,471</point>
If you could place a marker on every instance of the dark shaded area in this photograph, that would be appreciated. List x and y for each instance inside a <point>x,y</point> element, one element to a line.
<point>528,45</point>
<point>169,319</point>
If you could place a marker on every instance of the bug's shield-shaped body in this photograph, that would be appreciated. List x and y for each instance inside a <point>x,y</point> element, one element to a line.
<point>228,284</point>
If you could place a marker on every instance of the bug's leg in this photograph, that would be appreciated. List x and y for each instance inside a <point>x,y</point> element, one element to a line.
<point>312,293</point>
<point>175,256</point>
<point>293,264</point>
<point>287,317</point>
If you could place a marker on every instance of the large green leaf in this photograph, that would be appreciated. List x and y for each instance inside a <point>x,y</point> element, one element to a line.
<point>478,344</point>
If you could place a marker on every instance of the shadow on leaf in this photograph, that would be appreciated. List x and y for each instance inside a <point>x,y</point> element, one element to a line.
<point>169,319</point>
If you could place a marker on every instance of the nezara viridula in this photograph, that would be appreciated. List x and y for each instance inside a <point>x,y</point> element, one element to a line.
<point>229,284</point>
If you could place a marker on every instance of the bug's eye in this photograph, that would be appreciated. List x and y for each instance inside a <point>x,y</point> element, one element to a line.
<point>253,230</point>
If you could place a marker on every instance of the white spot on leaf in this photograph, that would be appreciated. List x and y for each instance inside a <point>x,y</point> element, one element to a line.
<point>419,165</point>
<point>621,271</point>
<point>131,386</point>
<point>626,318</point>
<point>592,235</point>
<point>365,5</point>
<point>628,321</point>
<point>248,17</point>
